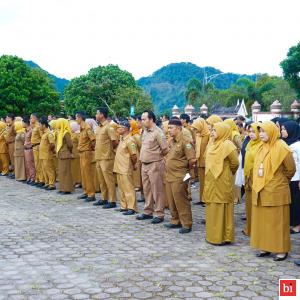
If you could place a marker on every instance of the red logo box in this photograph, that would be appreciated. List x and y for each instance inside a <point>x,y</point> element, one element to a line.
<point>287,287</point>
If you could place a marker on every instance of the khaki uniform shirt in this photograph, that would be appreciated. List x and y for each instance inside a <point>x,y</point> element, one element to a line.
<point>153,144</point>
<point>105,134</point>
<point>10,134</point>
<point>19,145</point>
<point>126,148</point>
<point>177,161</point>
<point>65,152</point>
<point>45,145</point>
<point>36,135</point>
<point>3,145</point>
<point>86,138</point>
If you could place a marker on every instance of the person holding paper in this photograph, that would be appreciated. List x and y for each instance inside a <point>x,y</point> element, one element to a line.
<point>180,159</point>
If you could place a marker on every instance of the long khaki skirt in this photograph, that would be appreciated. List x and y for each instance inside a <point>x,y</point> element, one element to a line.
<point>219,222</point>
<point>20,168</point>
<point>75,167</point>
<point>65,175</point>
<point>270,228</point>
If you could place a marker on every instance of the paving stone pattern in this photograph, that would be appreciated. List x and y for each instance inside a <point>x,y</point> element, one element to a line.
<point>57,247</point>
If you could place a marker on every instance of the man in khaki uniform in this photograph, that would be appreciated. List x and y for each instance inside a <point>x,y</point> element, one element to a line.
<point>4,156</point>
<point>86,145</point>
<point>10,136</point>
<point>46,150</point>
<point>35,141</point>
<point>125,163</point>
<point>180,159</point>
<point>106,141</point>
<point>154,147</point>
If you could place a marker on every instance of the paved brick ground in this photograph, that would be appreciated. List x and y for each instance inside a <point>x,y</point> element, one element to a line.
<point>56,247</point>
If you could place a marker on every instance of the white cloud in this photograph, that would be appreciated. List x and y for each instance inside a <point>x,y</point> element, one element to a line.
<point>68,37</point>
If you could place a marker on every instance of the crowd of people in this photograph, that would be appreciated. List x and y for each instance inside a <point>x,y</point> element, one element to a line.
<point>230,158</point>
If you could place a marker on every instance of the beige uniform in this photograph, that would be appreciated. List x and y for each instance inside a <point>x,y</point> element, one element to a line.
<point>177,166</point>
<point>154,143</point>
<point>4,156</point>
<point>19,157</point>
<point>124,170</point>
<point>35,141</point>
<point>85,150</point>
<point>46,158</point>
<point>10,140</point>
<point>105,155</point>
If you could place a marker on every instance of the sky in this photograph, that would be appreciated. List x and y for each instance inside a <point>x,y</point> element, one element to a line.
<point>69,37</point>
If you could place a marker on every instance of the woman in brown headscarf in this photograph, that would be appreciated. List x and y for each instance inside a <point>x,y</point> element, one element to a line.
<point>251,151</point>
<point>64,147</point>
<point>20,173</point>
<point>221,163</point>
<point>202,138</point>
<point>274,166</point>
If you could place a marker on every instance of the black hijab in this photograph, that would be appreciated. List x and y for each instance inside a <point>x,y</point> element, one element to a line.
<point>293,131</point>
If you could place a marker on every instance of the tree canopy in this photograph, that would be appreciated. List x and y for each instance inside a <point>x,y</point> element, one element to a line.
<point>105,86</point>
<point>24,90</point>
<point>291,67</point>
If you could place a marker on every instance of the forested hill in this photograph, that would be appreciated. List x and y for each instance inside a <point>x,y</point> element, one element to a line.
<point>167,85</point>
<point>59,83</point>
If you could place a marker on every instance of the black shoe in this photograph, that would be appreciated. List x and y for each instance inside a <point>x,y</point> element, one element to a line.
<point>109,205</point>
<point>12,176</point>
<point>198,203</point>
<point>65,193</point>
<point>185,230</point>
<point>157,220</point>
<point>221,244</point>
<point>121,209</point>
<point>89,199</point>
<point>50,188</point>
<point>263,254</point>
<point>129,212</point>
<point>40,185</point>
<point>35,183</point>
<point>100,202</point>
<point>141,200</point>
<point>278,258</point>
<point>172,226</point>
<point>243,218</point>
<point>144,217</point>
<point>83,196</point>
<point>203,222</point>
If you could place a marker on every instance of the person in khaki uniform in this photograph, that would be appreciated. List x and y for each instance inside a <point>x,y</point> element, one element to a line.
<point>36,136</point>
<point>86,145</point>
<point>154,148</point>
<point>106,142</point>
<point>202,138</point>
<point>4,156</point>
<point>124,164</point>
<point>10,140</point>
<point>180,159</point>
<point>46,150</point>
<point>64,148</point>
<point>75,163</point>
<point>20,173</point>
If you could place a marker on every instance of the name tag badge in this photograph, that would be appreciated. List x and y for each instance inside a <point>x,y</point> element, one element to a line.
<point>261,170</point>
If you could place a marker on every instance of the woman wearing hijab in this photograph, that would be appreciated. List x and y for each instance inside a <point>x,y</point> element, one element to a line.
<point>20,173</point>
<point>202,138</point>
<point>64,148</point>
<point>251,150</point>
<point>55,131</point>
<point>4,156</point>
<point>274,166</point>
<point>213,119</point>
<point>290,132</point>
<point>75,162</point>
<point>221,163</point>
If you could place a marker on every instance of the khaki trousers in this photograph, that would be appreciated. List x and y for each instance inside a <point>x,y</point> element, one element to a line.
<point>152,177</point>
<point>87,174</point>
<point>4,162</point>
<point>107,179</point>
<point>48,169</point>
<point>179,204</point>
<point>38,165</point>
<point>201,175</point>
<point>11,151</point>
<point>126,191</point>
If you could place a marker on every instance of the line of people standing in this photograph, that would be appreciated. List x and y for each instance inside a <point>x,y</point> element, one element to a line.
<point>136,153</point>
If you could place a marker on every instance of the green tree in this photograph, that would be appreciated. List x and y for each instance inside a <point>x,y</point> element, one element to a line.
<point>291,68</point>
<point>193,91</point>
<point>103,86</point>
<point>24,90</point>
